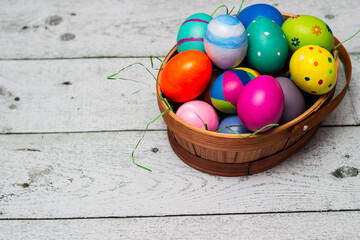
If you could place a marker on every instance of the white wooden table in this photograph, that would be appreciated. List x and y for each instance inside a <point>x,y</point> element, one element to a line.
<point>67,134</point>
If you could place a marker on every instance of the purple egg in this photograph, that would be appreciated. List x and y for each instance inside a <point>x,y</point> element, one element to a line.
<point>234,123</point>
<point>260,103</point>
<point>294,102</point>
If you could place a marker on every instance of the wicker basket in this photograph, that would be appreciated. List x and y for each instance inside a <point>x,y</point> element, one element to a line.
<point>229,154</point>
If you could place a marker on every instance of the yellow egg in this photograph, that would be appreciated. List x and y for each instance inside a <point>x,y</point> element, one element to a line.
<point>313,69</point>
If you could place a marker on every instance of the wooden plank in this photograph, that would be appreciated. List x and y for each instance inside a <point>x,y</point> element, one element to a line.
<point>348,111</point>
<point>82,28</point>
<point>74,95</point>
<point>91,175</point>
<point>332,225</point>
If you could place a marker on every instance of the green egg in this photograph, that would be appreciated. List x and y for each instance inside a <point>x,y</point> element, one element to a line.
<point>302,30</point>
<point>268,48</point>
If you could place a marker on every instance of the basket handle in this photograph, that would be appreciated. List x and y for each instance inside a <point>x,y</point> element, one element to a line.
<point>323,112</point>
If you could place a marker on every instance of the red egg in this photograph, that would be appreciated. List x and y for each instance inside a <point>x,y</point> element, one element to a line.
<point>186,76</point>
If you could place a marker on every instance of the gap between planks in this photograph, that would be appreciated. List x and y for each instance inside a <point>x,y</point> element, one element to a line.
<point>78,58</point>
<point>100,57</point>
<point>183,215</point>
<point>134,130</point>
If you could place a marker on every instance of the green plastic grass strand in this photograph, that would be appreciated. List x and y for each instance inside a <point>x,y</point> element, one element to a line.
<point>242,2</point>
<point>146,129</point>
<point>231,10</point>
<point>147,126</point>
<point>269,125</point>
<point>166,101</point>
<point>346,40</point>
<point>129,79</point>
<point>336,54</point>
<point>227,10</point>
<point>205,124</point>
<point>152,62</point>
<point>229,127</point>
<point>113,76</point>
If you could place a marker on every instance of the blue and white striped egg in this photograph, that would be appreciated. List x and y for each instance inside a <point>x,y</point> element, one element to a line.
<point>226,41</point>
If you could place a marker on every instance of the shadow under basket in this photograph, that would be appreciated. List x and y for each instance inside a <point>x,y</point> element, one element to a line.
<point>231,155</point>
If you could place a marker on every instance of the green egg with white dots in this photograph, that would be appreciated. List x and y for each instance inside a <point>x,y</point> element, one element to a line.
<point>267,46</point>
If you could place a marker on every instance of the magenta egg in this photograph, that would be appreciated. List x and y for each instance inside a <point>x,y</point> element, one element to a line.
<point>260,103</point>
<point>199,114</point>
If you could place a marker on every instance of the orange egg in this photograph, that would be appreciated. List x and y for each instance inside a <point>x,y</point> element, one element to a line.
<point>186,76</point>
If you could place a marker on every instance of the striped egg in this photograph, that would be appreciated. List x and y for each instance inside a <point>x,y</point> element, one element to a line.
<point>226,41</point>
<point>191,33</point>
<point>225,89</point>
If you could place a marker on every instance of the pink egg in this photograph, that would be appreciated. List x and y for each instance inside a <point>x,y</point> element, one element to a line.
<point>198,113</point>
<point>260,103</point>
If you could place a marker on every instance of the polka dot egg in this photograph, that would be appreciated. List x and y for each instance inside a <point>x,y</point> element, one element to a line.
<point>313,69</point>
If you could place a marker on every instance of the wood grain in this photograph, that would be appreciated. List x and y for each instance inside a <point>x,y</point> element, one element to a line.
<point>66,159</point>
<point>333,225</point>
<point>91,175</point>
<point>74,95</point>
<point>76,29</point>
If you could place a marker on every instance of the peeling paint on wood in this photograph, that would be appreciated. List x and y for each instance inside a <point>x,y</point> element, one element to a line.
<point>67,36</point>
<point>345,171</point>
<point>90,174</point>
<point>54,20</point>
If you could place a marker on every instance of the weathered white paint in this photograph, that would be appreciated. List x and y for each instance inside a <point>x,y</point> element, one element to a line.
<point>334,225</point>
<point>93,103</point>
<point>131,28</point>
<point>86,175</point>
<point>91,175</point>
<point>89,102</point>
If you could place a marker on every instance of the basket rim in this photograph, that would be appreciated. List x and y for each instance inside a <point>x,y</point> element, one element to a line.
<point>323,99</point>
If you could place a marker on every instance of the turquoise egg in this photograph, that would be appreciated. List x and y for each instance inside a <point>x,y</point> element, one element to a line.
<point>191,33</point>
<point>268,47</point>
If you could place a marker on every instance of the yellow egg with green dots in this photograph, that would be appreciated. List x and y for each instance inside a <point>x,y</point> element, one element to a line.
<point>313,69</point>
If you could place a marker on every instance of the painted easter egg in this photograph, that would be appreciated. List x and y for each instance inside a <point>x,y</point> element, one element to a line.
<point>225,41</point>
<point>313,69</point>
<point>294,102</point>
<point>192,31</point>
<point>186,76</point>
<point>302,30</point>
<point>250,13</point>
<point>260,103</point>
<point>268,48</point>
<point>234,123</point>
<point>225,89</point>
<point>199,114</point>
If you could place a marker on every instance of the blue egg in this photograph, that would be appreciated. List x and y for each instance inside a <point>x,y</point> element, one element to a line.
<point>234,123</point>
<point>247,15</point>
<point>225,41</point>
